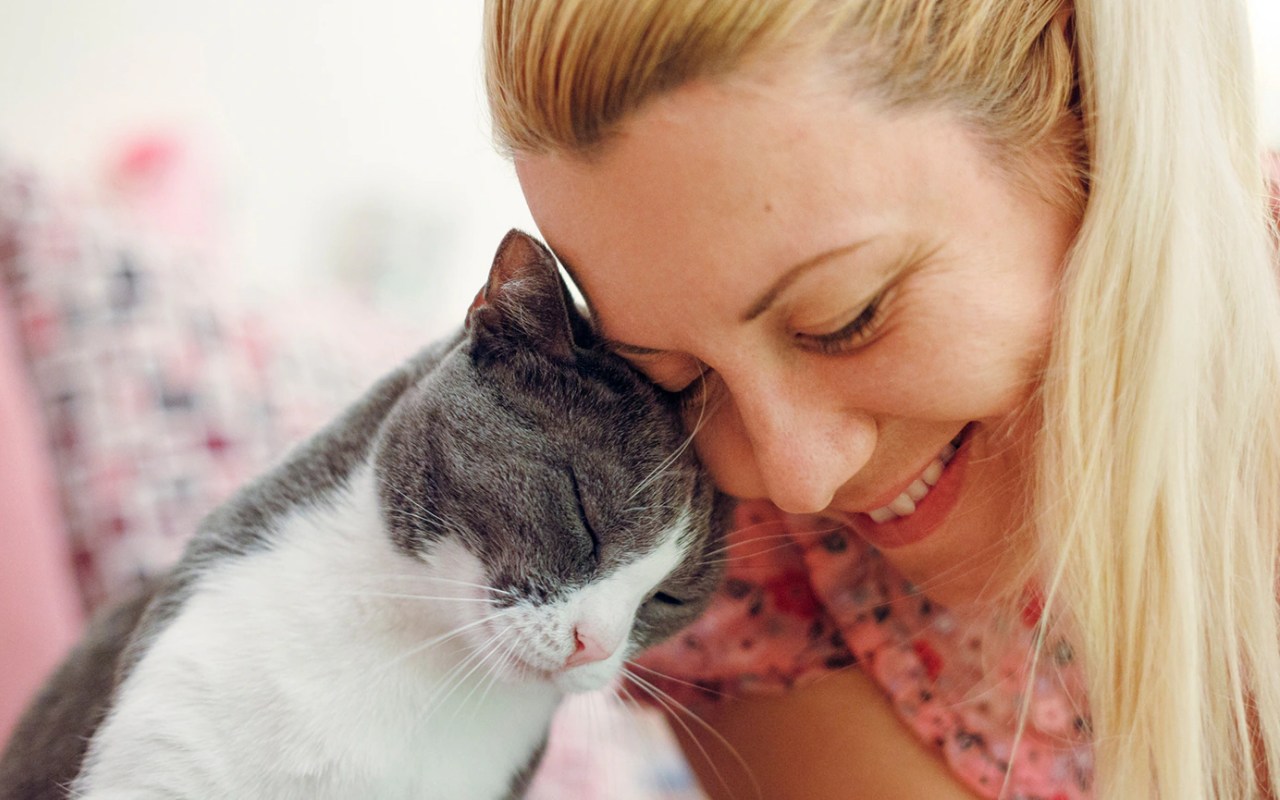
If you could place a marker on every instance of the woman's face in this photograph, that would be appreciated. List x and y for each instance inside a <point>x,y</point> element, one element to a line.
<point>841,292</point>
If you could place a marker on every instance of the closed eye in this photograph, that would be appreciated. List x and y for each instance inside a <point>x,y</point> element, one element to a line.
<point>699,392</point>
<point>680,376</point>
<point>582,516</point>
<point>667,599</point>
<point>862,327</point>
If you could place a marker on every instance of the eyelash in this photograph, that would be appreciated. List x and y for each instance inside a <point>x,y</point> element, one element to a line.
<point>697,392</point>
<point>844,339</point>
<point>840,341</point>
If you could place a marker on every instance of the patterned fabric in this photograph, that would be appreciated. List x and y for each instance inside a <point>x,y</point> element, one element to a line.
<point>804,596</point>
<point>160,395</point>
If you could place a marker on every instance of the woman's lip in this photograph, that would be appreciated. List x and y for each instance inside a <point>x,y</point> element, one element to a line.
<point>889,497</point>
<point>929,514</point>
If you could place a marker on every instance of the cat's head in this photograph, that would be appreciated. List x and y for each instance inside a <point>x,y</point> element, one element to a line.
<point>550,486</point>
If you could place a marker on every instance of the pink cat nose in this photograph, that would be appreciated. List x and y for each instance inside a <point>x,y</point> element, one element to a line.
<point>588,650</point>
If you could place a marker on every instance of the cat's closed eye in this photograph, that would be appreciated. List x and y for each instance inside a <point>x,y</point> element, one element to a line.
<point>666,599</point>
<point>583,516</point>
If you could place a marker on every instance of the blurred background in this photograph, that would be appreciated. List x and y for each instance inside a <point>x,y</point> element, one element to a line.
<point>344,139</point>
<point>336,140</point>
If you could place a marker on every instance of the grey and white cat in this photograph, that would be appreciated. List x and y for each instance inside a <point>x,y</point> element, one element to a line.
<point>396,610</point>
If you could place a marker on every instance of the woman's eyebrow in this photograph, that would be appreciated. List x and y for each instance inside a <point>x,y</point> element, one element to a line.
<point>791,275</point>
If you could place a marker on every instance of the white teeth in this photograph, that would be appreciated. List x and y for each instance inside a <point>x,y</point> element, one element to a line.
<point>882,515</point>
<point>933,472</point>
<point>905,504</point>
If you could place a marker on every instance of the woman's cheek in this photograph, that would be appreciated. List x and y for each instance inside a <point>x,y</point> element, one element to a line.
<point>724,448</point>
<point>949,371</point>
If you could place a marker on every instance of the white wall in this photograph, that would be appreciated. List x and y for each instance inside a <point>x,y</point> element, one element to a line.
<point>321,116</point>
<point>325,117</point>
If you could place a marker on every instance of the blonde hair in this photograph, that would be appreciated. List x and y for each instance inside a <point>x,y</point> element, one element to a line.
<point>1158,466</point>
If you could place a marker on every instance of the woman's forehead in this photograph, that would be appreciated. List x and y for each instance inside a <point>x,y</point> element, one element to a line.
<point>716,190</point>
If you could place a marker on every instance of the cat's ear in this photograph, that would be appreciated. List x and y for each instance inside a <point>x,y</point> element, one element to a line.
<point>524,303</point>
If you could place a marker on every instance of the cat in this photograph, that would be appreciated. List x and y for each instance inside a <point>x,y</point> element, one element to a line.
<point>397,608</point>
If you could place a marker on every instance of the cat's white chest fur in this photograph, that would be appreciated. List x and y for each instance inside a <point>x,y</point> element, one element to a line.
<point>291,673</point>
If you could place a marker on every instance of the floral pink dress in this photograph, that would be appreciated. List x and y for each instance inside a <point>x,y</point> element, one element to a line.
<point>805,596</point>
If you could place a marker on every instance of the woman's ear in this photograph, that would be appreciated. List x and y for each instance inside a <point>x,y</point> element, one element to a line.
<point>524,304</point>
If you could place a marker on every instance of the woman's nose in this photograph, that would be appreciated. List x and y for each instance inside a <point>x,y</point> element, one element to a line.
<point>805,446</point>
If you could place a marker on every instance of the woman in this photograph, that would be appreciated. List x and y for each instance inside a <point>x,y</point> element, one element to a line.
<point>988,284</point>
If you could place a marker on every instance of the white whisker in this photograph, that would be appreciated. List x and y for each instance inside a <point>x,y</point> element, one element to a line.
<point>440,639</point>
<point>672,705</point>
<point>454,678</point>
<point>504,660</point>
<point>424,578</point>
<point>488,655</point>
<point>402,596</point>
<point>679,451</point>
<point>424,514</point>
<point>667,677</point>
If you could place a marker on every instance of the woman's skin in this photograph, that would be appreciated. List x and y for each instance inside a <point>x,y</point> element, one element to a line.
<point>731,239</point>
<point>836,739</point>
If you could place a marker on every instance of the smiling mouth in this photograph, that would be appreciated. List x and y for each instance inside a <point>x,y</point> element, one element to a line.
<point>904,505</point>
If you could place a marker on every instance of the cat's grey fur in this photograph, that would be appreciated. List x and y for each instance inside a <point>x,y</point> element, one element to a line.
<point>509,436</point>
